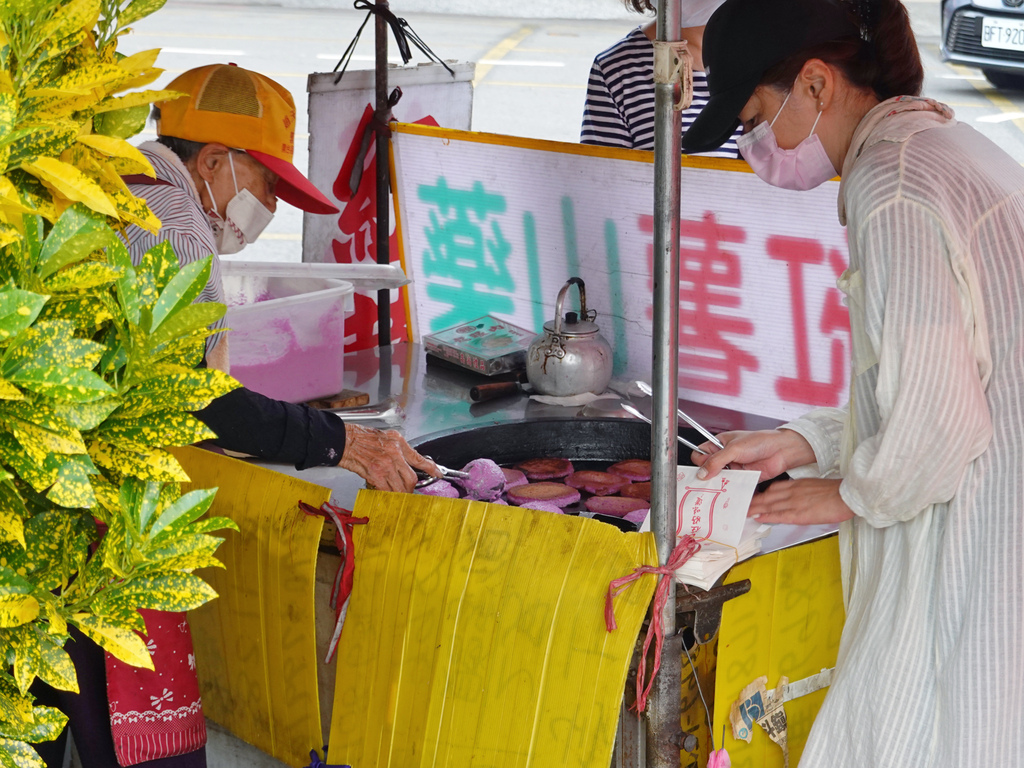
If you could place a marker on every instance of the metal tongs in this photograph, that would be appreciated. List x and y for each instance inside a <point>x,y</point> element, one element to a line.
<point>644,387</point>
<point>426,479</point>
<point>630,409</point>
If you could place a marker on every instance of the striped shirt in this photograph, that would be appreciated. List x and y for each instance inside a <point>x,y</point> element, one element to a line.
<point>184,223</point>
<point>619,111</point>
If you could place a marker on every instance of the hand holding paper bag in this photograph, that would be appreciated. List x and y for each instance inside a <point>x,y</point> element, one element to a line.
<point>770,452</point>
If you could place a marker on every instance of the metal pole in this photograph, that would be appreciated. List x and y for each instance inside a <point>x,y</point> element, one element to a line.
<point>383,173</point>
<point>663,723</point>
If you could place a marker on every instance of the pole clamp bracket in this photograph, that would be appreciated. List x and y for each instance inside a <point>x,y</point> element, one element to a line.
<point>673,65</point>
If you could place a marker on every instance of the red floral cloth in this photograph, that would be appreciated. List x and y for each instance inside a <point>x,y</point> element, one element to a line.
<point>158,713</point>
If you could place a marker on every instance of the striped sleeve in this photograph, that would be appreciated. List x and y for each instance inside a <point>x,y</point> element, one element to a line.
<point>603,122</point>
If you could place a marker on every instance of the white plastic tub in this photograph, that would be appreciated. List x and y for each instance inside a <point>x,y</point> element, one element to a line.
<point>287,336</point>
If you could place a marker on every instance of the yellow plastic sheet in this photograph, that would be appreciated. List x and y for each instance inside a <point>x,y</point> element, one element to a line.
<point>788,624</point>
<point>476,636</point>
<point>255,645</point>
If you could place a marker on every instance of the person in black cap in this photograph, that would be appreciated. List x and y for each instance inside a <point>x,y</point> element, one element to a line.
<point>924,468</point>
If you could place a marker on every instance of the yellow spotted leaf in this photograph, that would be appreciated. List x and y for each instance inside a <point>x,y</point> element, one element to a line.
<point>139,80</point>
<point>71,183</point>
<point>78,14</point>
<point>12,512</point>
<point>154,464</point>
<point>93,76</point>
<point>130,209</point>
<point>121,643</point>
<point>123,166</point>
<point>17,609</point>
<point>10,392</point>
<point>58,626</point>
<point>55,666</point>
<point>140,61</point>
<point>135,99</point>
<point>113,147</point>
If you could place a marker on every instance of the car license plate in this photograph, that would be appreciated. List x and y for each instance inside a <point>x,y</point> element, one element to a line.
<point>1006,34</point>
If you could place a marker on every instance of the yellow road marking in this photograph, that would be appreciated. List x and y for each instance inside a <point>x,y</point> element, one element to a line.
<point>997,99</point>
<point>500,51</point>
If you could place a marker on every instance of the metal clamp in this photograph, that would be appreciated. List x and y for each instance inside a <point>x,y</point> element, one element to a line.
<point>673,65</point>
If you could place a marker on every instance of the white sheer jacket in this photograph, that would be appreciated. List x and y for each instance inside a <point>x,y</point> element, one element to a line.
<point>930,451</point>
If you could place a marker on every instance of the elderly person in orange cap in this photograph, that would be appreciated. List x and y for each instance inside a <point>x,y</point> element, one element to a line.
<point>222,158</point>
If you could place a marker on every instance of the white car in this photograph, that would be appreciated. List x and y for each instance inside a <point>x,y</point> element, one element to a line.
<point>988,34</point>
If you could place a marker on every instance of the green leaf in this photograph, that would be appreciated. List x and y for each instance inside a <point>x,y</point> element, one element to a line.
<point>185,510</point>
<point>119,609</point>
<point>14,708</point>
<point>73,488</point>
<point>17,605</point>
<point>48,140</point>
<point>209,524</point>
<point>63,382</point>
<point>47,343</point>
<point>18,310</point>
<point>86,416</point>
<point>55,666</point>
<point>27,657</point>
<point>168,592</point>
<point>128,292</point>
<point>184,553</point>
<point>77,233</point>
<point>56,546</point>
<point>72,17</point>
<point>12,514</point>
<point>153,464</point>
<point>156,268</point>
<point>81,277</point>
<point>39,430</point>
<point>139,503</point>
<point>86,313</point>
<point>18,754</point>
<point>185,321</point>
<point>185,389</point>
<point>121,643</point>
<point>138,9</point>
<point>122,123</point>
<point>181,291</point>
<point>154,430</point>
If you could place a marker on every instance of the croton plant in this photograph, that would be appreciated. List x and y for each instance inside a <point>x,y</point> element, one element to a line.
<point>97,364</point>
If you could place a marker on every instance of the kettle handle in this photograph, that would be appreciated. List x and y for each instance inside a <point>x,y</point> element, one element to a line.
<point>578,282</point>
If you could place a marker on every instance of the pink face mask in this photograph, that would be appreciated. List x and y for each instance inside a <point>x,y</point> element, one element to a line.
<point>804,167</point>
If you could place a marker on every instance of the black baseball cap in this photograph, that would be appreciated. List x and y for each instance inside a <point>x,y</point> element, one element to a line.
<point>743,39</point>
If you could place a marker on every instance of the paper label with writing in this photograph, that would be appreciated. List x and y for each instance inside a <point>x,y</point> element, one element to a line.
<point>714,509</point>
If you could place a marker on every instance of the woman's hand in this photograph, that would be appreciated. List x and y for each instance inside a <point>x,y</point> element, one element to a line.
<point>800,502</point>
<point>383,459</point>
<point>770,452</point>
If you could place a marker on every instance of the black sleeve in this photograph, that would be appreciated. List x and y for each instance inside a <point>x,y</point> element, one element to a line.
<point>247,422</point>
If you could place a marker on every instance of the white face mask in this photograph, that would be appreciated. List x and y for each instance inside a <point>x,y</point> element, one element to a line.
<point>244,218</point>
<point>695,13</point>
<point>806,166</point>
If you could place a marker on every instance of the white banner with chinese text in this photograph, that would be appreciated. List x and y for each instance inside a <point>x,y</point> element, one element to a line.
<point>496,224</point>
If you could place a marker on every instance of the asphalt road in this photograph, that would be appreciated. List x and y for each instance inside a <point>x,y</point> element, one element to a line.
<point>532,69</point>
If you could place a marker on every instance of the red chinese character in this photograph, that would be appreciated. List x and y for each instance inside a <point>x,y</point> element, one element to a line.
<point>356,241</point>
<point>802,388</point>
<point>709,282</point>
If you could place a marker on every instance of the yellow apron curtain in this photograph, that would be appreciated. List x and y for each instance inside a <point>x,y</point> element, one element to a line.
<point>476,636</point>
<point>255,644</point>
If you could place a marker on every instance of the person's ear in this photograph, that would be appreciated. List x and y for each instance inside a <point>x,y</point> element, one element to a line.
<point>817,81</point>
<point>209,159</point>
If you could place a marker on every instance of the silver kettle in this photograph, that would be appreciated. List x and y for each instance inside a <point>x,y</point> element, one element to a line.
<point>570,357</point>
